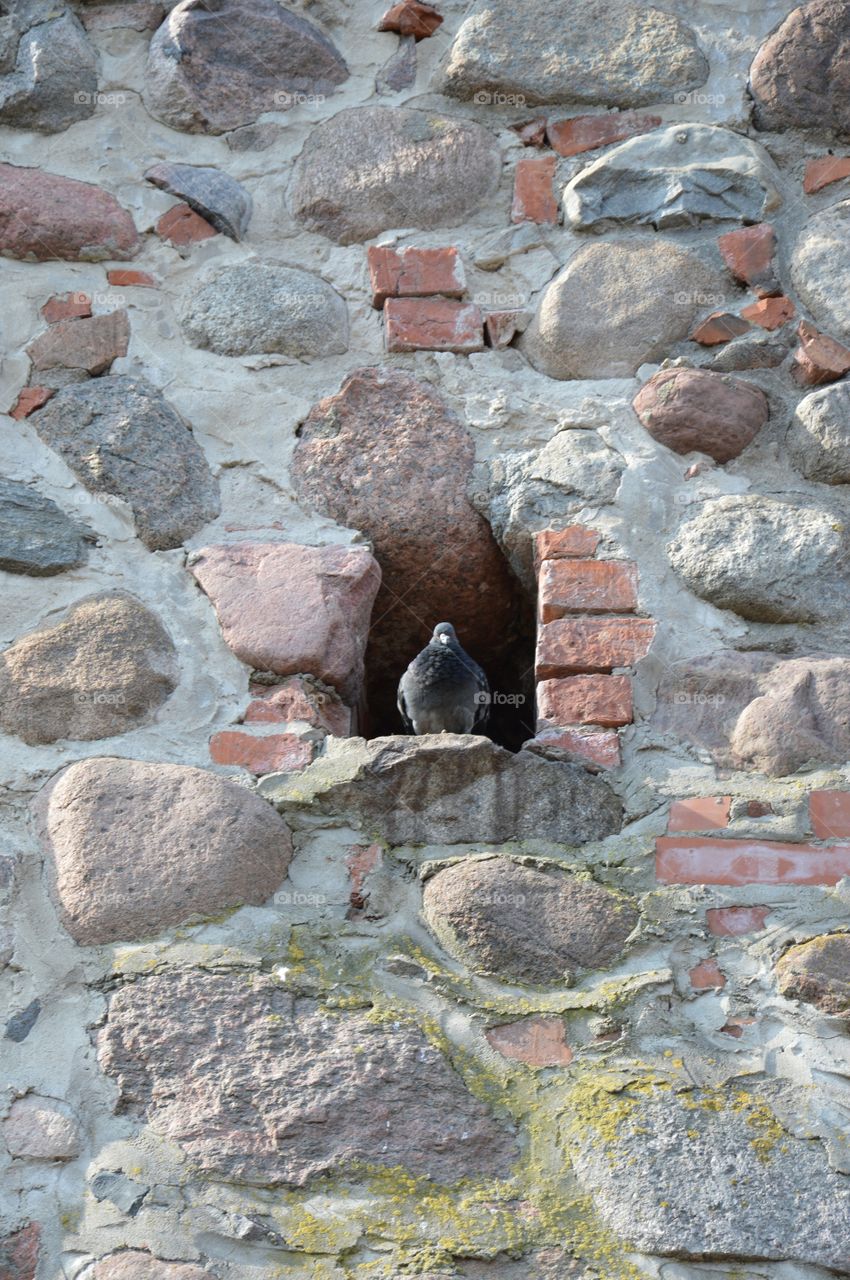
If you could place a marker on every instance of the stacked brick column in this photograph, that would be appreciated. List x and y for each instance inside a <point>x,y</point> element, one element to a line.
<point>421,292</point>
<point>587,632</point>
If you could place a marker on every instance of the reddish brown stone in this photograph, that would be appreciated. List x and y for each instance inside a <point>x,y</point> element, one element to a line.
<point>586,133</point>
<point>539,1041</point>
<point>769,313</point>
<point>19,1253</point>
<point>555,544</point>
<point>598,699</point>
<point>181,225</point>
<point>433,324</point>
<point>30,399</point>
<point>823,171</point>
<point>586,586</point>
<point>737,1026</point>
<point>798,77</point>
<point>414,273</point>
<point>703,860</point>
<point>699,813</point>
<point>759,809</point>
<point>44,216</point>
<point>90,344</point>
<point>690,409</point>
<point>534,199</point>
<point>299,699</point>
<point>830,814</point>
<point>706,976</point>
<point>501,327</point>
<point>748,253</point>
<point>594,748</point>
<point>411,18</point>
<point>734,922</point>
<point>532,133</point>
<point>818,971</point>
<point>719,327</point>
<point>132,279</point>
<point>819,359</point>
<point>570,646</point>
<point>276,753</point>
<point>65,306</point>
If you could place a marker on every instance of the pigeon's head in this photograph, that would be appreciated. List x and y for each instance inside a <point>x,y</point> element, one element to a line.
<point>444,633</point>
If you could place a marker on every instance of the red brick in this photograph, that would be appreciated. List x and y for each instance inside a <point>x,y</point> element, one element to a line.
<point>277,753</point>
<point>181,225</point>
<point>570,646</point>
<point>30,399</point>
<point>819,359</point>
<point>830,814</point>
<point>769,313</point>
<point>600,699</point>
<point>414,273</point>
<point>297,699</point>
<point>135,279</point>
<point>585,133</point>
<point>701,860</point>
<point>748,253</point>
<point>66,306</point>
<point>586,586</point>
<point>719,327</point>
<point>501,327</point>
<point>433,324</point>
<point>826,169</point>
<point>411,18</point>
<point>706,976</point>
<point>532,133</point>
<point>758,808</point>
<point>733,922</point>
<point>595,749</point>
<point>557,544</point>
<point>700,813</point>
<point>90,343</point>
<point>534,199</point>
<point>539,1040</point>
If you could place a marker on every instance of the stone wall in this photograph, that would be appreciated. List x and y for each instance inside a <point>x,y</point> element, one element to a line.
<point>325,323</point>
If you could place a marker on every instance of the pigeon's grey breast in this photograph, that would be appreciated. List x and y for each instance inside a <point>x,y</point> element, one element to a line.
<point>444,691</point>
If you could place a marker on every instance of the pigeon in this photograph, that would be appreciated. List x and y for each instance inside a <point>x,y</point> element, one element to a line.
<point>443,690</point>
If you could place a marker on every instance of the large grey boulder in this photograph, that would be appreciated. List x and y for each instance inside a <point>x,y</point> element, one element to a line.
<point>48,68</point>
<point>820,268</point>
<point>447,789</point>
<point>819,436</point>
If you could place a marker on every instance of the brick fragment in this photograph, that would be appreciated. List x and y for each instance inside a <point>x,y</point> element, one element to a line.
<point>706,976</point>
<point>297,699</point>
<point>181,225</point>
<point>277,753</point>
<point>719,327</point>
<point>826,169</point>
<point>700,813</point>
<point>556,544</point>
<point>411,18</point>
<point>414,273</point>
<point>598,699</point>
<point>586,586</point>
<point>748,253</point>
<point>66,306</point>
<point>534,198</point>
<point>571,646</point>
<point>29,399</point>
<point>539,1041</point>
<point>532,133</point>
<point>596,749</point>
<point>819,359</point>
<point>126,279</point>
<point>433,324</point>
<point>734,922</point>
<point>703,860</point>
<point>829,812</point>
<point>585,133</point>
<point>769,313</point>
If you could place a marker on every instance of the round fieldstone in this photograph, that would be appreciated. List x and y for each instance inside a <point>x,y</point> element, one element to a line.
<point>36,537</point>
<point>819,435</point>
<point>49,79</point>
<point>159,843</point>
<point>818,971</point>
<point>607,51</point>
<point>798,78</point>
<point>766,560</point>
<point>521,924</point>
<point>41,1129</point>
<point>617,305</point>
<point>222,201</point>
<point>372,168</point>
<point>690,409</point>
<point>262,307</point>
<point>103,670</point>
<point>120,436</point>
<point>45,216</point>
<point>218,66</point>
<point>820,268</point>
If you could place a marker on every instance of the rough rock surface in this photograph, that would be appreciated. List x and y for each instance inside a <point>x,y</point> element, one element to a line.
<point>521,924</point>
<point>217,1063</point>
<point>103,670</point>
<point>388,457</point>
<point>622,54</point>
<point>136,1264</point>
<point>216,196</point>
<point>820,268</point>
<point>690,409</point>
<point>162,843</point>
<point>85,346</point>
<point>372,168</point>
<point>290,609</point>
<point>617,305</point>
<point>258,307</point>
<point>44,216</point>
<point>201,80</point>
<point>48,68</point>
<point>19,1252</point>
<point>41,1129</point>
<point>36,536</point>
<point>819,436</point>
<point>676,177</point>
<point>448,788</point>
<point>122,437</point>
<point>818,971</point>
<point>798,77</point>
<point>705,1168</point>
<point>765,559</point>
